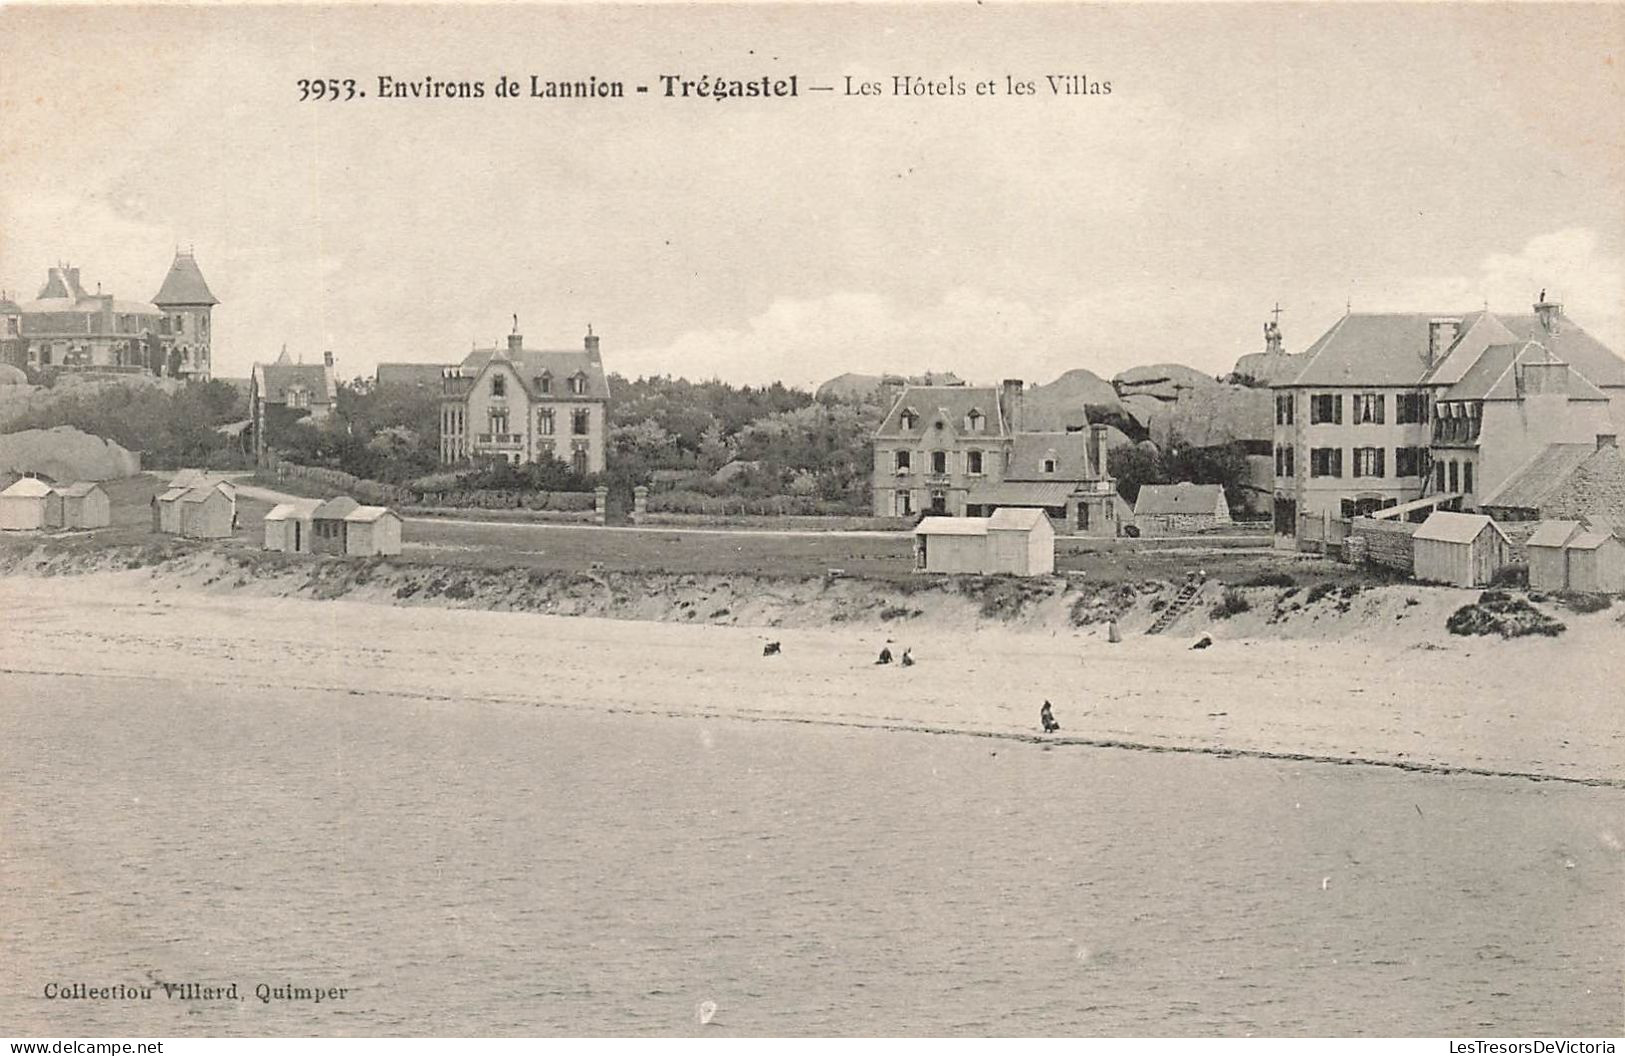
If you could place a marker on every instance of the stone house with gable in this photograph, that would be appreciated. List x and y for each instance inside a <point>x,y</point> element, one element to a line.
<point>958,450</point>
<point>522,405</point>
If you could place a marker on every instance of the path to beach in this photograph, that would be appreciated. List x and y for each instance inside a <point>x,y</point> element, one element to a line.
<point>1544,708</point>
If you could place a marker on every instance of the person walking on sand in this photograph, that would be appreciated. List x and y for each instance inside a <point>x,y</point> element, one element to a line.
<point>885,655</point>
<point>1047,717</point>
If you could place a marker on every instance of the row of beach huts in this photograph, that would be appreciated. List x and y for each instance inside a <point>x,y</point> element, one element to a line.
<point>31,504</point>
<point>195,505</point>
<point>1583,556</point>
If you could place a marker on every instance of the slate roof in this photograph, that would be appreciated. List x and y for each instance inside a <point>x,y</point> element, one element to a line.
<point>277,378</point>
<point>1018,493</point>
<point>1571,344</point>
<point>184,285</point>
<point>1183,497</point>
<point>949,404</point>
<point>1536,481</point>
<point>1069,449</point>
<point>530,364</point>
<point>423,374</point>
<point>1446,527</point>
<point>1494,376</point>
<point>1371,349</point>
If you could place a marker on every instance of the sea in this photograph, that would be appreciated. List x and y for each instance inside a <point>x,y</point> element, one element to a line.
<point>452,868</point>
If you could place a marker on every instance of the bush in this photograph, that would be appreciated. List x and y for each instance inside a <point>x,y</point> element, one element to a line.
<point>1585,602</point>
<point>1318,591</point>
<point>1271,579</point>
<point>1499,613</point>
<point>1511,576</point>
<point>1232,603</point>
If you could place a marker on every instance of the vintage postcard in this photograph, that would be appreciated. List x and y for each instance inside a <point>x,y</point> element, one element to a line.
<point>785,520</point>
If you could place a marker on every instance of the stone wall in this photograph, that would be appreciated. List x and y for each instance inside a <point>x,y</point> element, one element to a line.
<point>1151,524</point>
<point>1387,543</point>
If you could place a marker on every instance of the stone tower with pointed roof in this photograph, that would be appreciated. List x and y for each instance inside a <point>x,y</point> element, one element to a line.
<point>187,305</point>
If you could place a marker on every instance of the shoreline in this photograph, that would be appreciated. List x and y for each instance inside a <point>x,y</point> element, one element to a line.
<point>1333,698</point>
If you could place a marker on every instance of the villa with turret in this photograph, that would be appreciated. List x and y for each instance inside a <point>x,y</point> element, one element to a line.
<point>68,328</point>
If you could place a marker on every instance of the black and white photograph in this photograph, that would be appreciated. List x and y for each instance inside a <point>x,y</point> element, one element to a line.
<point>813,520</point>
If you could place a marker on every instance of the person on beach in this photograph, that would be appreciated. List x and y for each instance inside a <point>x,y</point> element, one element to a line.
<point>770,649</point>
<point>1047,717</point>
<point>885,655</point>
<point>908,661</point>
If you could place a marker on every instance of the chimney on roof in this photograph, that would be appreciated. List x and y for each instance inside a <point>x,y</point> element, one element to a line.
<point>591,343</point>
<point>1548,312</point>
<point>1010,396</point>
<point>327,359</point>
<point>516,341</point>
<point>1441,335</point>
<point>1097,446</point>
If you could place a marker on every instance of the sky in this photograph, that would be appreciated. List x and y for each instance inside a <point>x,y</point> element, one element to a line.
<point>1390,158</point>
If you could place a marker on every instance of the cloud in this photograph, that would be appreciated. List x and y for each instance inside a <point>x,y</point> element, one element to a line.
<point>1570,265</point>
<point>979,335</point>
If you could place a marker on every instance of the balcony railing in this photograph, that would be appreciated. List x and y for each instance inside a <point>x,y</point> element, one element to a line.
<point>500,439</point>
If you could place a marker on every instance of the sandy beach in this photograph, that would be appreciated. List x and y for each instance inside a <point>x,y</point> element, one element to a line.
<point>1543,708</point>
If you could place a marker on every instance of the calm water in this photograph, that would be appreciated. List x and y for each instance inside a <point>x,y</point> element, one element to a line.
<point>493,870</point>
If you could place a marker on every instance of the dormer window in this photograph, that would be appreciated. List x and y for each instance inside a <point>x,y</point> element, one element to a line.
<point>1049,464</point>
<point>578,384</point>
<point>975,420</point>
<point>909,419</point>
<point>499,385</point>
<point>544,383</point>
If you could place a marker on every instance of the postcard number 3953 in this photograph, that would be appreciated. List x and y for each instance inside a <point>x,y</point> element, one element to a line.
<point>331,89</point>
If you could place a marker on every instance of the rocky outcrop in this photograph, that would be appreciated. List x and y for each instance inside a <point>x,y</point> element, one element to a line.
<point>1267,368</point>
<point>66,455</point>
<point>1072,401</point>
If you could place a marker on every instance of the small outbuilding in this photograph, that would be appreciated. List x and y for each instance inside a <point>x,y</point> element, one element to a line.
<point>328,525</point>
<point>1596,563</point>
<point>207,512</point>
<point>372,530</point>
<point>166,510</point>
<point>950,544</point>
<point>288,527</point>
<point>1018,542</point>
<point>1179,509</point>
<point>81,505</point>
<point>1548,554</point>
<point>22,505</point>
<point>1461,549</point>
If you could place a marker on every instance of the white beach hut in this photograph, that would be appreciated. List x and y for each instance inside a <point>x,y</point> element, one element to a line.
<point>372,530</point>
<point>22,506</point>
<point>1462,549</point>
